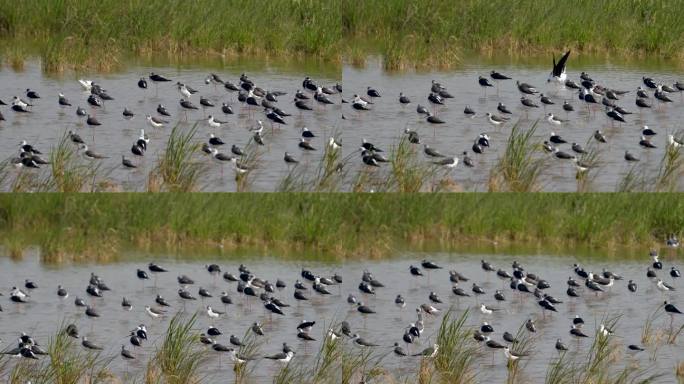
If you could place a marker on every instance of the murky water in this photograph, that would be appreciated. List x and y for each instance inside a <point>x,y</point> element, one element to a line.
<point>389,118</point>
<point>46,311</point>
<point>382,126</point>
<point>116,135</point>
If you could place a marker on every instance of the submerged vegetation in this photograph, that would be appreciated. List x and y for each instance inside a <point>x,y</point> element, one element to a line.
<point>99,226</point>
<point>408,34</point>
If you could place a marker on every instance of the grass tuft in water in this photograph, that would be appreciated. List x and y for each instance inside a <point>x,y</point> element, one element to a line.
<point>180,358</point>
<point>66,363</point>
<point>671,168</point>
<point>178,169</point>
<point>456,361</point>
<point>519,169</point>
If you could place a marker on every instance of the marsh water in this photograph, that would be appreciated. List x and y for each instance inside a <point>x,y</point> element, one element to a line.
<point>49,121</point>
<point>388,118</point>
<point>42,316</point>
<point>383,125</point>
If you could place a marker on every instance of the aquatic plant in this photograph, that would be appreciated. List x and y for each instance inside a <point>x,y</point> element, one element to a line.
<point>633,181</point>
<point>519,169</point>
<point>179,358</point>
<point>68,172</point>
<point>250,350</point>
<point>66,363</point>
<point>248,165</point>
<point>327,175</point>
<point>524,347</point>
<point>679,371</point>
<point>670,169</point>
<point>560,370</point>
<point>456,361</point>
<point>177,169</point>
<point>408,173</point>
<point>592,159</point>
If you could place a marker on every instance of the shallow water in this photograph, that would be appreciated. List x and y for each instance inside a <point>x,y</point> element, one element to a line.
<point>116,135</point>
<point>389,118</point>
<point>42,316</point>
<point>382,126</point>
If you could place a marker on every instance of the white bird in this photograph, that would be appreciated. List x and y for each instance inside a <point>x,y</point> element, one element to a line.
<point>213,122</point>
<point>213,313</point>
<point>184,90</point>
<point>663,286</point>
<point>495,120</point>
<point>154,122</point>
<point>332,143</point>
<point>553,120</point>
<point>486,310</point>
<point>19,102</point>
<point>332,335</point>
<point>674,142</point>
<point>604,331</point>
<point>259,129</point>
<point>154,313</point>
<point>86,84</point>
<point>358,100</point>
<point>509,355</point>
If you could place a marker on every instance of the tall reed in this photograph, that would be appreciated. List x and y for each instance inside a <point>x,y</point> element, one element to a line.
<point>456,360</point>
<point>178,169</point>
<point>81,35</point>
<point>591,160</point>
<point>69,173</point>
<point>180,358</point>
<point>408,173</point>
<point>670,169</point>
<point>519,168</point>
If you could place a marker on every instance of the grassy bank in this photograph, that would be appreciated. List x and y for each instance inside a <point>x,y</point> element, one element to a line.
<point>432,33</point>
<point>408,33</point>
<point>90,226</point>
<point>81,34</point>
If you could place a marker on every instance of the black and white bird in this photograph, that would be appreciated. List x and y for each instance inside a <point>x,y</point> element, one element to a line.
<point>558,71</point>
<point>526,88</point>
<point>63,101</point>
<point>495,120</point>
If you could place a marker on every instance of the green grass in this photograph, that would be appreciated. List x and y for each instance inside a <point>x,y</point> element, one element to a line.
<point>456,361</point>
<point>180,357</point>
<point>178,169</point>
<point>521,165</point>
<point>98,226</point>
<point>434,33</point>
<point>82,35</point>
<point>66,363</point>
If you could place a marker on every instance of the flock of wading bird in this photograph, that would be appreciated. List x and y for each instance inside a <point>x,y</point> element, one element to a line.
<point>592,95</point>
<point>264,299</point>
